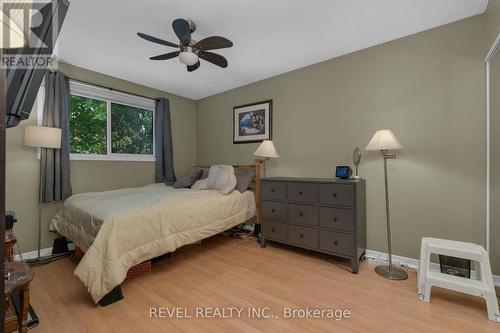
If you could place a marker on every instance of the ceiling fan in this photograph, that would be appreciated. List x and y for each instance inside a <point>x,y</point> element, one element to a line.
<point>190,51</point>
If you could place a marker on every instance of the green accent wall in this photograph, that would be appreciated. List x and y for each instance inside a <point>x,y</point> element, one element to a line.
<point>428,88</point>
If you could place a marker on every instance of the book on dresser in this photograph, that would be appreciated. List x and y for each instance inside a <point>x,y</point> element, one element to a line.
<point>323,215</point>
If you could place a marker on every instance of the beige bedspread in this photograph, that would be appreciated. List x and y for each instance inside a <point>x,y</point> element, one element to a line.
<point>122,228</point>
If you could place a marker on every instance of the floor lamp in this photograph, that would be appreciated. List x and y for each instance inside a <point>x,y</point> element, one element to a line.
<point>266,151</point>
<point>41,137</point>
<point>385,141</point>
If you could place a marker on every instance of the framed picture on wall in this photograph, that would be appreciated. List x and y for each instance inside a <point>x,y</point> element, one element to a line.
<point>253,122</point>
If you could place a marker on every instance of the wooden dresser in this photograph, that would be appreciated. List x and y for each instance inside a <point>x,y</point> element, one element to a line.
<point>324,215</point>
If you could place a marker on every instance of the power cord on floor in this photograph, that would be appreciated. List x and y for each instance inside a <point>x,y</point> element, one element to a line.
<point>42,260</point>
<point>48,259</point>
<point>19,250</point>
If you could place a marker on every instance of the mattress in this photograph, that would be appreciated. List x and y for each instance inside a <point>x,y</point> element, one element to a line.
<point>122,228</point>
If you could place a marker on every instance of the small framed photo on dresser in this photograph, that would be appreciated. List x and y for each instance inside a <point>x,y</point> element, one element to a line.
<point>253,122</point>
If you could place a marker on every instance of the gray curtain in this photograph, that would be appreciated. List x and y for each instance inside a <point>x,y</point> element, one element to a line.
<point>54,163</point>
<point>164,169</point>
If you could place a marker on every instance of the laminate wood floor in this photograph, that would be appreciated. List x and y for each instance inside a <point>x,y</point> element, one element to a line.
<point>226,272</point>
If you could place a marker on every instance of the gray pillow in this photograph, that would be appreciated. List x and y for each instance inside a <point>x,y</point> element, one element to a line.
<point>204,175</point>
<point>189,178</point>
<point>243,179</point>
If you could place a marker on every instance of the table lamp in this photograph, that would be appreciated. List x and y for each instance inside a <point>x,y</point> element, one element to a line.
<point>385,141</point>
<point>266,151</point>
<point>41,137</point>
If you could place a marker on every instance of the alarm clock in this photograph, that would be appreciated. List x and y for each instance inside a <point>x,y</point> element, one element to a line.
<point>343,171</point>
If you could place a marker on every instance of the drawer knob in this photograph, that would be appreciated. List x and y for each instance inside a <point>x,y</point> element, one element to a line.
<point>334,195</point>
<point>272,190</point>
<point>301,236</point>
<point>300,192</point>
<point>301,214</point>
<point>335,243</point>
<point>335,219</point>
<point>273,230</point>
<point>272,210</point>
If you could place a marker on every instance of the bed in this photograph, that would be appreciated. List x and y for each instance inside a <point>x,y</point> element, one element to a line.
<point>122,228</point>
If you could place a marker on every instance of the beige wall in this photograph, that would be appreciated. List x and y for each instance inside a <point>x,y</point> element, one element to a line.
<point>428,88</point>
<point>22,164</point>
<point>492,21</point>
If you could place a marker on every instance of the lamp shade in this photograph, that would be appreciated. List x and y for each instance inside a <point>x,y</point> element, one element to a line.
<point>267,150</point>
<point>42,137</point>
<point>383,140</point>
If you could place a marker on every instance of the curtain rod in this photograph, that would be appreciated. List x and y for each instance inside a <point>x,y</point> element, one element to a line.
<point>111,89</point>
<point>108,88</point>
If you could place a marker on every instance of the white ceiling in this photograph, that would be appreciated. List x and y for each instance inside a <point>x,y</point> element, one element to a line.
<point>270,36</point>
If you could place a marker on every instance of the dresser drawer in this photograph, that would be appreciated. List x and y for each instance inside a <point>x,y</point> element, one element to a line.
<point>275,230</point>
<point>274,210</point>
<point>336,242</point>
<point>303,236</point>
<point>336,194</point>
<point>336,218</point>
<point>303,214</point>
<point>304,192</point>
<point>273,190</point>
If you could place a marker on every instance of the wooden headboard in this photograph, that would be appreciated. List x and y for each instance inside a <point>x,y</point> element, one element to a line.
<point>254,186</point>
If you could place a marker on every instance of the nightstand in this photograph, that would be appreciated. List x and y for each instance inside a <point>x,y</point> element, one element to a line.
<point>18,279</point>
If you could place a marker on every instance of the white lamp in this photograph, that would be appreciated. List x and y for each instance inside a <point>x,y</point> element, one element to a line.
<point>41,137</point>
<point>188,57</point>
<point>266,151</point>
<point>384,140</point>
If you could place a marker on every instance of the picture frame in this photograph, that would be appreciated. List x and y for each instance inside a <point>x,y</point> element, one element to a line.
<point>253,122</point>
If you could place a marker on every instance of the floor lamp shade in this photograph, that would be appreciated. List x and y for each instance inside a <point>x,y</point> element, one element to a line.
<point>42,137</point>
<point>383,140</point>
<point>266,150</point>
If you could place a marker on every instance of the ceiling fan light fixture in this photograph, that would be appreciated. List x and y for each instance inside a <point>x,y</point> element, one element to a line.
<point>189,58</point>
<point>189,50</point>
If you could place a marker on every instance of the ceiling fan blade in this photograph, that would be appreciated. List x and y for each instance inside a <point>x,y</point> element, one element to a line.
<point>194,67</point>
<point>165,56</point>
<point>214,58</point>
<point>156,40</point>
<point>181,29</point>
<point>214,42</point>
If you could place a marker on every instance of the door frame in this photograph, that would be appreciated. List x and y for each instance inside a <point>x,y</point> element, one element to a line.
<point>489,57</point>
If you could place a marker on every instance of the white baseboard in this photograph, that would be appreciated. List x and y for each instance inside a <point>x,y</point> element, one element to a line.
<point>43,252</point>
<point>376,256</point>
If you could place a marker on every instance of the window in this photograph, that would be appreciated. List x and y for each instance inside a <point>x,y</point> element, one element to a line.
<point>87,123</point>
<point>109,125</point>
<point>131,130</point>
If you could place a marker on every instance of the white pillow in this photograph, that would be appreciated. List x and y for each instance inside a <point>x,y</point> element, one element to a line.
<point>220,178</point>
<point>201,184</point>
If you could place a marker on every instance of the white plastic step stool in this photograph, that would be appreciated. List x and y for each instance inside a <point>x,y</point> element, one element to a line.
<point>483,287</point>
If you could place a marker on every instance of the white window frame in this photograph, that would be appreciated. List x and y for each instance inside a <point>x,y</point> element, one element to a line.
<point>109,96</point>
